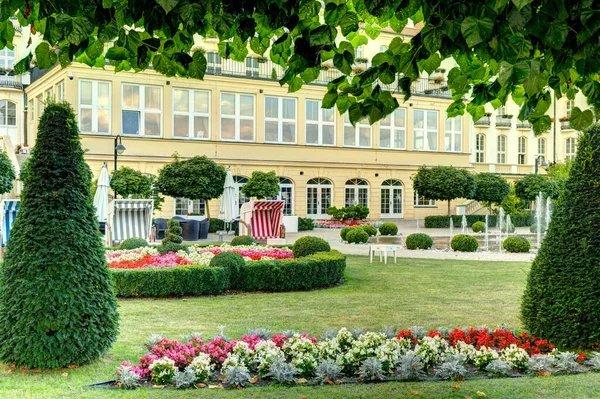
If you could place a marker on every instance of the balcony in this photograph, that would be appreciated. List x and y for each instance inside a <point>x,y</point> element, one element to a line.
<point>523,125</point>
<point>565,125</point>
<point>11,81</point>
<point>484,121</point>
<point>504,121</point>
<point>264,69</point>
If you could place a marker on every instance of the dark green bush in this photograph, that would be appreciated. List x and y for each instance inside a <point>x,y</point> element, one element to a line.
<point>357,236</point>
<point>464,243</point>
<point>516,244</point>
<point>57,305</point>
<point>171,247</point>
<point>170,281</point>
<point>444,221</point>
<point>318,270</point>
<point>353,212</point>
<point>562,297</point>
<point>370,230</point>
<point>242,240</point>
<point>231,262</point>
<point>305,224</point>
<point>216,225</point>
<point>419,241</point>
<point>388,229</point>
<point>345,231</point>
<point>309,245</point>
<point>533,228</point>
<point>133,243</point>
<point>173,233</point>
<point>508,228</point>
<point>478,227</point>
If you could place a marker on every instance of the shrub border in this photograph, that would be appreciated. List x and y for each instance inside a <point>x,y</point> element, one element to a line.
<point>444,221</point>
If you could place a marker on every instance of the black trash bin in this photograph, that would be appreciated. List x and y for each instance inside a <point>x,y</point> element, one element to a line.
<point>190,230</point>
<point>203,231</point>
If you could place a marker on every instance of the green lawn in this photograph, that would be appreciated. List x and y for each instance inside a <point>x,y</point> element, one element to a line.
<point>430,293</point>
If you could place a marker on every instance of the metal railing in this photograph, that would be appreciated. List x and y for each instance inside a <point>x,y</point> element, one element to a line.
<point>263,69</point>
<point>11,81</point>
<point>565,125</point>
<point>503,121</point>
<point>483,121</point>
<point>523,125</point>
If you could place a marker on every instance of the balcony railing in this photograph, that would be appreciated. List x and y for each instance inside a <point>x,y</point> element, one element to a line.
<point>263,69</point>
<point>11,81</point>
<point>503,121</point>
<point>483,121</point>
<point>523,125</point>
<point>565,125</point>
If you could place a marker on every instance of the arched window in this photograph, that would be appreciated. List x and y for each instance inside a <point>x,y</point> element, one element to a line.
<point>356,192</point>
<point>8,113</point>
<point>286,193</point>
<point>522,150</point>
<point>239,182</point>
<point>392,198</point>
<point>570,149</point>
<point>480,148</point>
<point>502,149</point>
<point>318,197</point>
<point>541,151</point>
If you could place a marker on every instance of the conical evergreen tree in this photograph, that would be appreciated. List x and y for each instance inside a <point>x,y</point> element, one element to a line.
<point>562,298</point>
<point>57,305</point>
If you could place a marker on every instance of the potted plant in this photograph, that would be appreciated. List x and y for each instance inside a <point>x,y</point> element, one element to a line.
<point>565,119</point>
<point>438,79</point>
<point>261,59</point>
<point>506,116</point>
<point>358,69</point>
<point>361,59</point>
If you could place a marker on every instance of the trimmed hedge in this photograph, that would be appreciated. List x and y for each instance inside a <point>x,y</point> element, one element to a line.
<point>170,281</point>
<point>357,236</point>
<point>444,221</point>
<point>370,230</point>
<point>388,229</point>
<point>242,240</point>
<point>464,243</point>
<point>319,270</point>
<point>305,224</point>
<point>344,231</point>
<point>233,263</point>
<point>309,245</point>
<point>516,244</point>
<point>133,243</point>
<point>478,227</point>
<point>419,241</point>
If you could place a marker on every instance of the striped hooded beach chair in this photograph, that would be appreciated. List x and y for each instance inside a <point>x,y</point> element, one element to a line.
<point>8,215</point>
<point>129,218</point>
<point>265,218</point>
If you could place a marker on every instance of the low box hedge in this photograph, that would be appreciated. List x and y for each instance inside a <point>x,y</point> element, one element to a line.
<point>170,281</point>
<point>319,270</point>
<point>444,221</point>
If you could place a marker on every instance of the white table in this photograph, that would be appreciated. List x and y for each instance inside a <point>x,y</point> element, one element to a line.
<point>383,251</point>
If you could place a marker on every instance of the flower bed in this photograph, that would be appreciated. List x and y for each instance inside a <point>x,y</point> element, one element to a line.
<point>338,224</point>
<point>196,255</point>
<point>345,356</point>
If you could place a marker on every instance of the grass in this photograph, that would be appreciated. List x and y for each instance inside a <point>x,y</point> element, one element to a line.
<point>430,293</point>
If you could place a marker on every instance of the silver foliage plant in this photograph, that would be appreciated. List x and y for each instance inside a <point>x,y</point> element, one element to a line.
<point>540,363</point>
<point>152,340</point>
<point>260,332</point>
<point>184,379</point>
<point>283,373</point>
<point>329,334</point>
<point>498,368</point>
<point>371,369</point>
<point>452,368</point>
<point>128,379</point>
<point>238,376</point>
<point>418,331</point>
<point>328,369</point>
<point>388,331</point>
<point>594,361</point>
<point>188,338</point>
<point>357,332</point>
<point>289,333</point>
<point>410,366</point>
<point>566,362</point>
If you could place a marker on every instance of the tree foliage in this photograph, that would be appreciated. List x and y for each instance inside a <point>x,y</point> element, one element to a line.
<point>57,306</point>
<point>127,181</point>
<point>502,48</point>
<point>559,173</point>
<point>197,178</point>
<point>490,188</point>
<point>444,183</point>
<point>562,298</point>
<point>7,173</point>
<point>529,187</point>
<point>261,185</point>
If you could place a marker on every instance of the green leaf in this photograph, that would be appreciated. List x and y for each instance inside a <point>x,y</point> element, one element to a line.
<point>117,53</point>
<point>24,64</point>
<point>536,81</point>
<point>580,120</point>
<point>349,23</point>
<point>556,35</point>
<point>168,5</point>
<point>372,31</point>
<point>343,62</point>
<point>430,64</point>
<point>512,73</point>
<point>197,67</point>
<point>329,99</point>
<point>476,111</point>
<point>521,3</point>
<point>295,85</point>
<point>322,35</point>
<point>476,30</point>
<point>432,38</point>
<point>45,57</point>
<point>95,49</point>
<point>344,102</point>
<point>82,27</point>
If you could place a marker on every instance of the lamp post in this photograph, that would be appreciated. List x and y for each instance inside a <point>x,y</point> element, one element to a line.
<point>538,163</point>
<point>119,148</point>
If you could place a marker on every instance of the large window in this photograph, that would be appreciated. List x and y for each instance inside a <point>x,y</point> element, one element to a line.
<point>237,117</point>
<point>392,193</point>
<point>358,135</point>
<point>8,113</point>
<point>522,150</point>
<point>252,66</point>
<point>319,192</point>
<point>541,151</point>
<point>60,91</point>
<point>286,193</point>
<point>141,110</point>
<point>453,135</point>
<point>184,207</point>
<point>570,149</point>
<point>239,182</point>
<point>421,201</point>
<point>320,124</point>
<point>39,100</point>
<point>94,106</point>
<point>7,58</point>
<point>214,63</point>
<point>392,130</point>
<point>357,192</point>
<point>480,148</point>
<point>31,111</point>
<point>570,106</point>
<point>191,114</point>
<point>280,120</point>
<point>425,129</point>
<point>501,149</point>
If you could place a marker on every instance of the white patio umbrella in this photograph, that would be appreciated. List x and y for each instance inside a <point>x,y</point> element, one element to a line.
<point>229,210</point>
<point>101,196</point>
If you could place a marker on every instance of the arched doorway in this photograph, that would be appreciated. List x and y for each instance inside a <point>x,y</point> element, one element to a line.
<point>238,183</point>
<point>356,192</point>
<point>318,198</point>
<point>392,199</point>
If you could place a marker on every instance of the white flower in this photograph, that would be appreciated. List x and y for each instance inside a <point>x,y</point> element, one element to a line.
<point>515,357</point>
<point>431,349</point>
<point>202,366</point>
<point>484,356</point>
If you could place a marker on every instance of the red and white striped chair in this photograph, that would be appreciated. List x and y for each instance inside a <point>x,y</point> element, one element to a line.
<point>262,219</point>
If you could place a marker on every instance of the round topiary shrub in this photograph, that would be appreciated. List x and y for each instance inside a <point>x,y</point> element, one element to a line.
<point>173,233</point>
<point>57,305</point>
<point>388,229</point>
<point>464,243</point>
<point>419,241</point>
<point>242,240</point>
<point>516,244</point>
<point>533,228</point>
<point>370,230</point>
<point>508,229</point>
<point>233,263</point>
<point>357,236</point>
<point>345,231</point>
<point>309,245</point>
<point>478,227</point>
<point>133,243</point>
